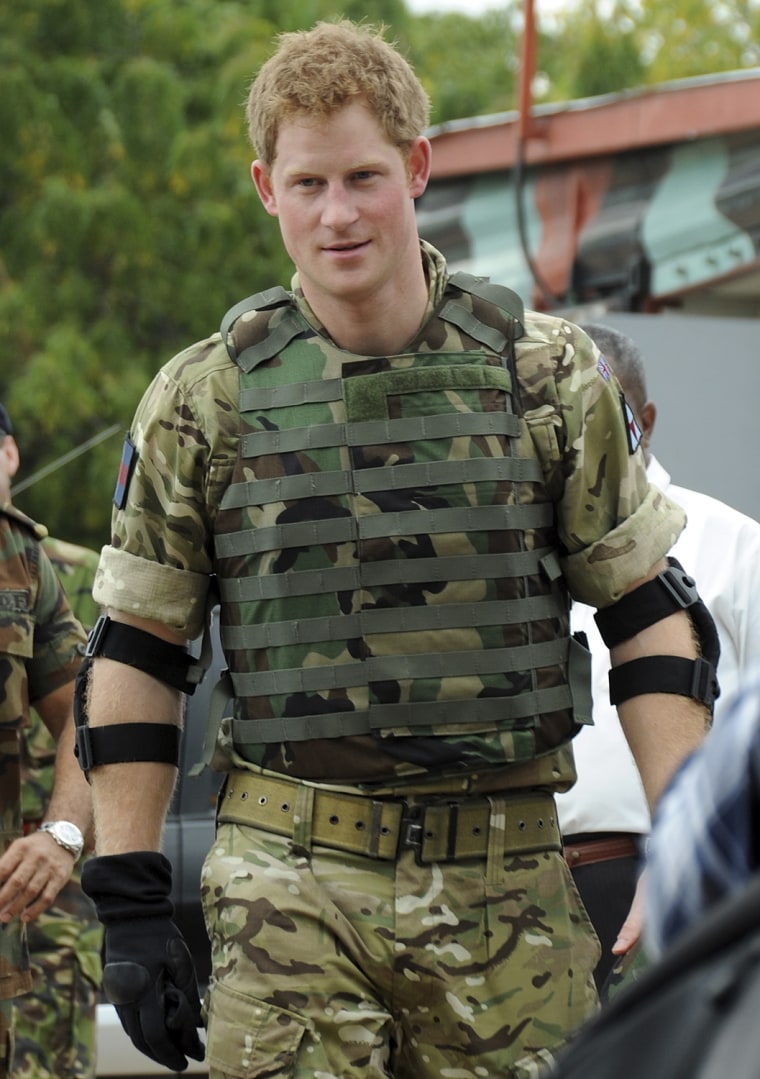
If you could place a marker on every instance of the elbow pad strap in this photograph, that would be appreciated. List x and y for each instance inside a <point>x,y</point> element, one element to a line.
<point>126,742</point>
<point>664,674</point>
<point>670,591</point>
<point>120,742</point>
<point>169,663</point>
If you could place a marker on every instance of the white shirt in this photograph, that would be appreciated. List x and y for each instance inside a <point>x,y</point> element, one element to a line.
<point>720,548</point>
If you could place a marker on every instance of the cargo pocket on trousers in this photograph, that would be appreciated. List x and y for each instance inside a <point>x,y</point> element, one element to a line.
<point>248,1037</point>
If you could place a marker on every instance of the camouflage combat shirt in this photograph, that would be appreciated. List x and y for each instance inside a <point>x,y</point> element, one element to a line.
<point>75,567</point>
<point>41,647</point>
<point>611,525</point>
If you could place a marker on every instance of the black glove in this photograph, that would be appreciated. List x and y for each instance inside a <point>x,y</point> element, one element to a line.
<point>149,974</point>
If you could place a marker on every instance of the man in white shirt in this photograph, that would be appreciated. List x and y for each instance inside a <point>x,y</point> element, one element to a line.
<point>604,817</point>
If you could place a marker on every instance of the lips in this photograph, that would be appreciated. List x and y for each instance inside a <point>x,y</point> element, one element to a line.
<point>338,249</point>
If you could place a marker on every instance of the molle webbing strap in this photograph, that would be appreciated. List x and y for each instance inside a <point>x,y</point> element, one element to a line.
<point>290,395</point>
<point>436,473</point>
<point>368,575</point>
<point>521,712</point>
<point>453,425</point>
<point>386,668</point>
<point>463,519</point>
<point>378,620</point>
<point>395,478</point>
<point>380,432</point>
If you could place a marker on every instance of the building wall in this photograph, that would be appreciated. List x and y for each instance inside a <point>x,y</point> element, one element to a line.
<point>704,376</point>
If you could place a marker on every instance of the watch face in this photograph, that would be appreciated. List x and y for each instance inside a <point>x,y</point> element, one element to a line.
<point>66,834</point>
<point>69,833</point>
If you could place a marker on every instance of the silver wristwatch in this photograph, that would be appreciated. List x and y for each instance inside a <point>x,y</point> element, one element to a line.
<point>66,835</point>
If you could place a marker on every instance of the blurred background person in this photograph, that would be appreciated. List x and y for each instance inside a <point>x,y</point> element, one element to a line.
<point>54,1027</point>
<point>705,844</point>
<point>604,817</point>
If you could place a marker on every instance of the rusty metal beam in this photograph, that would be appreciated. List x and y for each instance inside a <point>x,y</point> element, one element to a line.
<point>672,112</point>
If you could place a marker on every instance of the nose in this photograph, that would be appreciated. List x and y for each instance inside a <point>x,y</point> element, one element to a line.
<point>338,210</point>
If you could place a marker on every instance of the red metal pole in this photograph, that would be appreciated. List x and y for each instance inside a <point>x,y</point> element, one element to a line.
<point>527,71</point>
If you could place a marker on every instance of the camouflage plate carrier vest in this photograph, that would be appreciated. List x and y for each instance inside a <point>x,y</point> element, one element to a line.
<point>386,549</point>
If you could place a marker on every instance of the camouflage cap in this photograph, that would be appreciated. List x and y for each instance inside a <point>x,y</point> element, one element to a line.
<point>6,427</point>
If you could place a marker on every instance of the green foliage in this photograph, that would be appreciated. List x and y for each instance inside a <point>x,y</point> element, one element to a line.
<point>605,54</point>
<point>128,221</point>
<point>467,65</point>
<point>622,44</point>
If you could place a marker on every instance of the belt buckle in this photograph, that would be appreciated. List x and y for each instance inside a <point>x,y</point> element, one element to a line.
<point>412,830</point>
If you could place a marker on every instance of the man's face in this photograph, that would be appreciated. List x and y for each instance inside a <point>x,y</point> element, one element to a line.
<point>344,195</point>
<point>9,462</point>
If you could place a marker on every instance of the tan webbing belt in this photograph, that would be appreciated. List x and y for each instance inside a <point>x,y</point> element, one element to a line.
<point>437,830</point>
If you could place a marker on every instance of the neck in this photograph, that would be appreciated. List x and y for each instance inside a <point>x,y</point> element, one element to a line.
<point>382,321</point>
<point>377,329</point>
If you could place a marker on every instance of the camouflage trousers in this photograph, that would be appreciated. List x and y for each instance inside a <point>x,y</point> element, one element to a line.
<point>6,1037</point>
<point>55,1024</point>
<point>338,966</point>
<point>15,979</point>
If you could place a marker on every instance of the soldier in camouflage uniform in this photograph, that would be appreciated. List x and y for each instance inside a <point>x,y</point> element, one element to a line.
<point>55,1028</point>
<point>41,646</point>
<point>396,478</point>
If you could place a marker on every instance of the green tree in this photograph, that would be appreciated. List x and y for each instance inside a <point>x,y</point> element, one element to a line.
<point>605,53</point>
<point>468,66</point>
<point>127,218</point>
<point>128,222</point>
<point>631,43</point>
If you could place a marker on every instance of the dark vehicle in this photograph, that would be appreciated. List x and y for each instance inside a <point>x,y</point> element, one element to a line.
<point>190,824</point>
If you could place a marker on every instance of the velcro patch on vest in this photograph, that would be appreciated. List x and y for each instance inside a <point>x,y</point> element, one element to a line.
<point>126,468</point>
<point>632,429</point>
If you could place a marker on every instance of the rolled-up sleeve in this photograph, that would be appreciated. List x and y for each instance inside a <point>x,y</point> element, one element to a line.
<point>181,448</point>
<point>613,525</point>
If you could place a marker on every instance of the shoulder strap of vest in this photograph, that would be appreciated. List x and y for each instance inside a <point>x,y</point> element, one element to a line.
<point>500,296</point>
<point>251,342</point>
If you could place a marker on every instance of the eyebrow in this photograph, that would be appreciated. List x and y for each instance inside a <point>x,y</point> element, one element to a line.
<point>358,166</point>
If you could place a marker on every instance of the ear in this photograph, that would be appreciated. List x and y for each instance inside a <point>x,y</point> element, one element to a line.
<point>12,457</point>
<point>647,417</point>
<point>263,183</point>
<point>419,165</point>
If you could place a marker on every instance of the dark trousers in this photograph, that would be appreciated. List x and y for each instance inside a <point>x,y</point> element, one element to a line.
<point>607,889</point>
